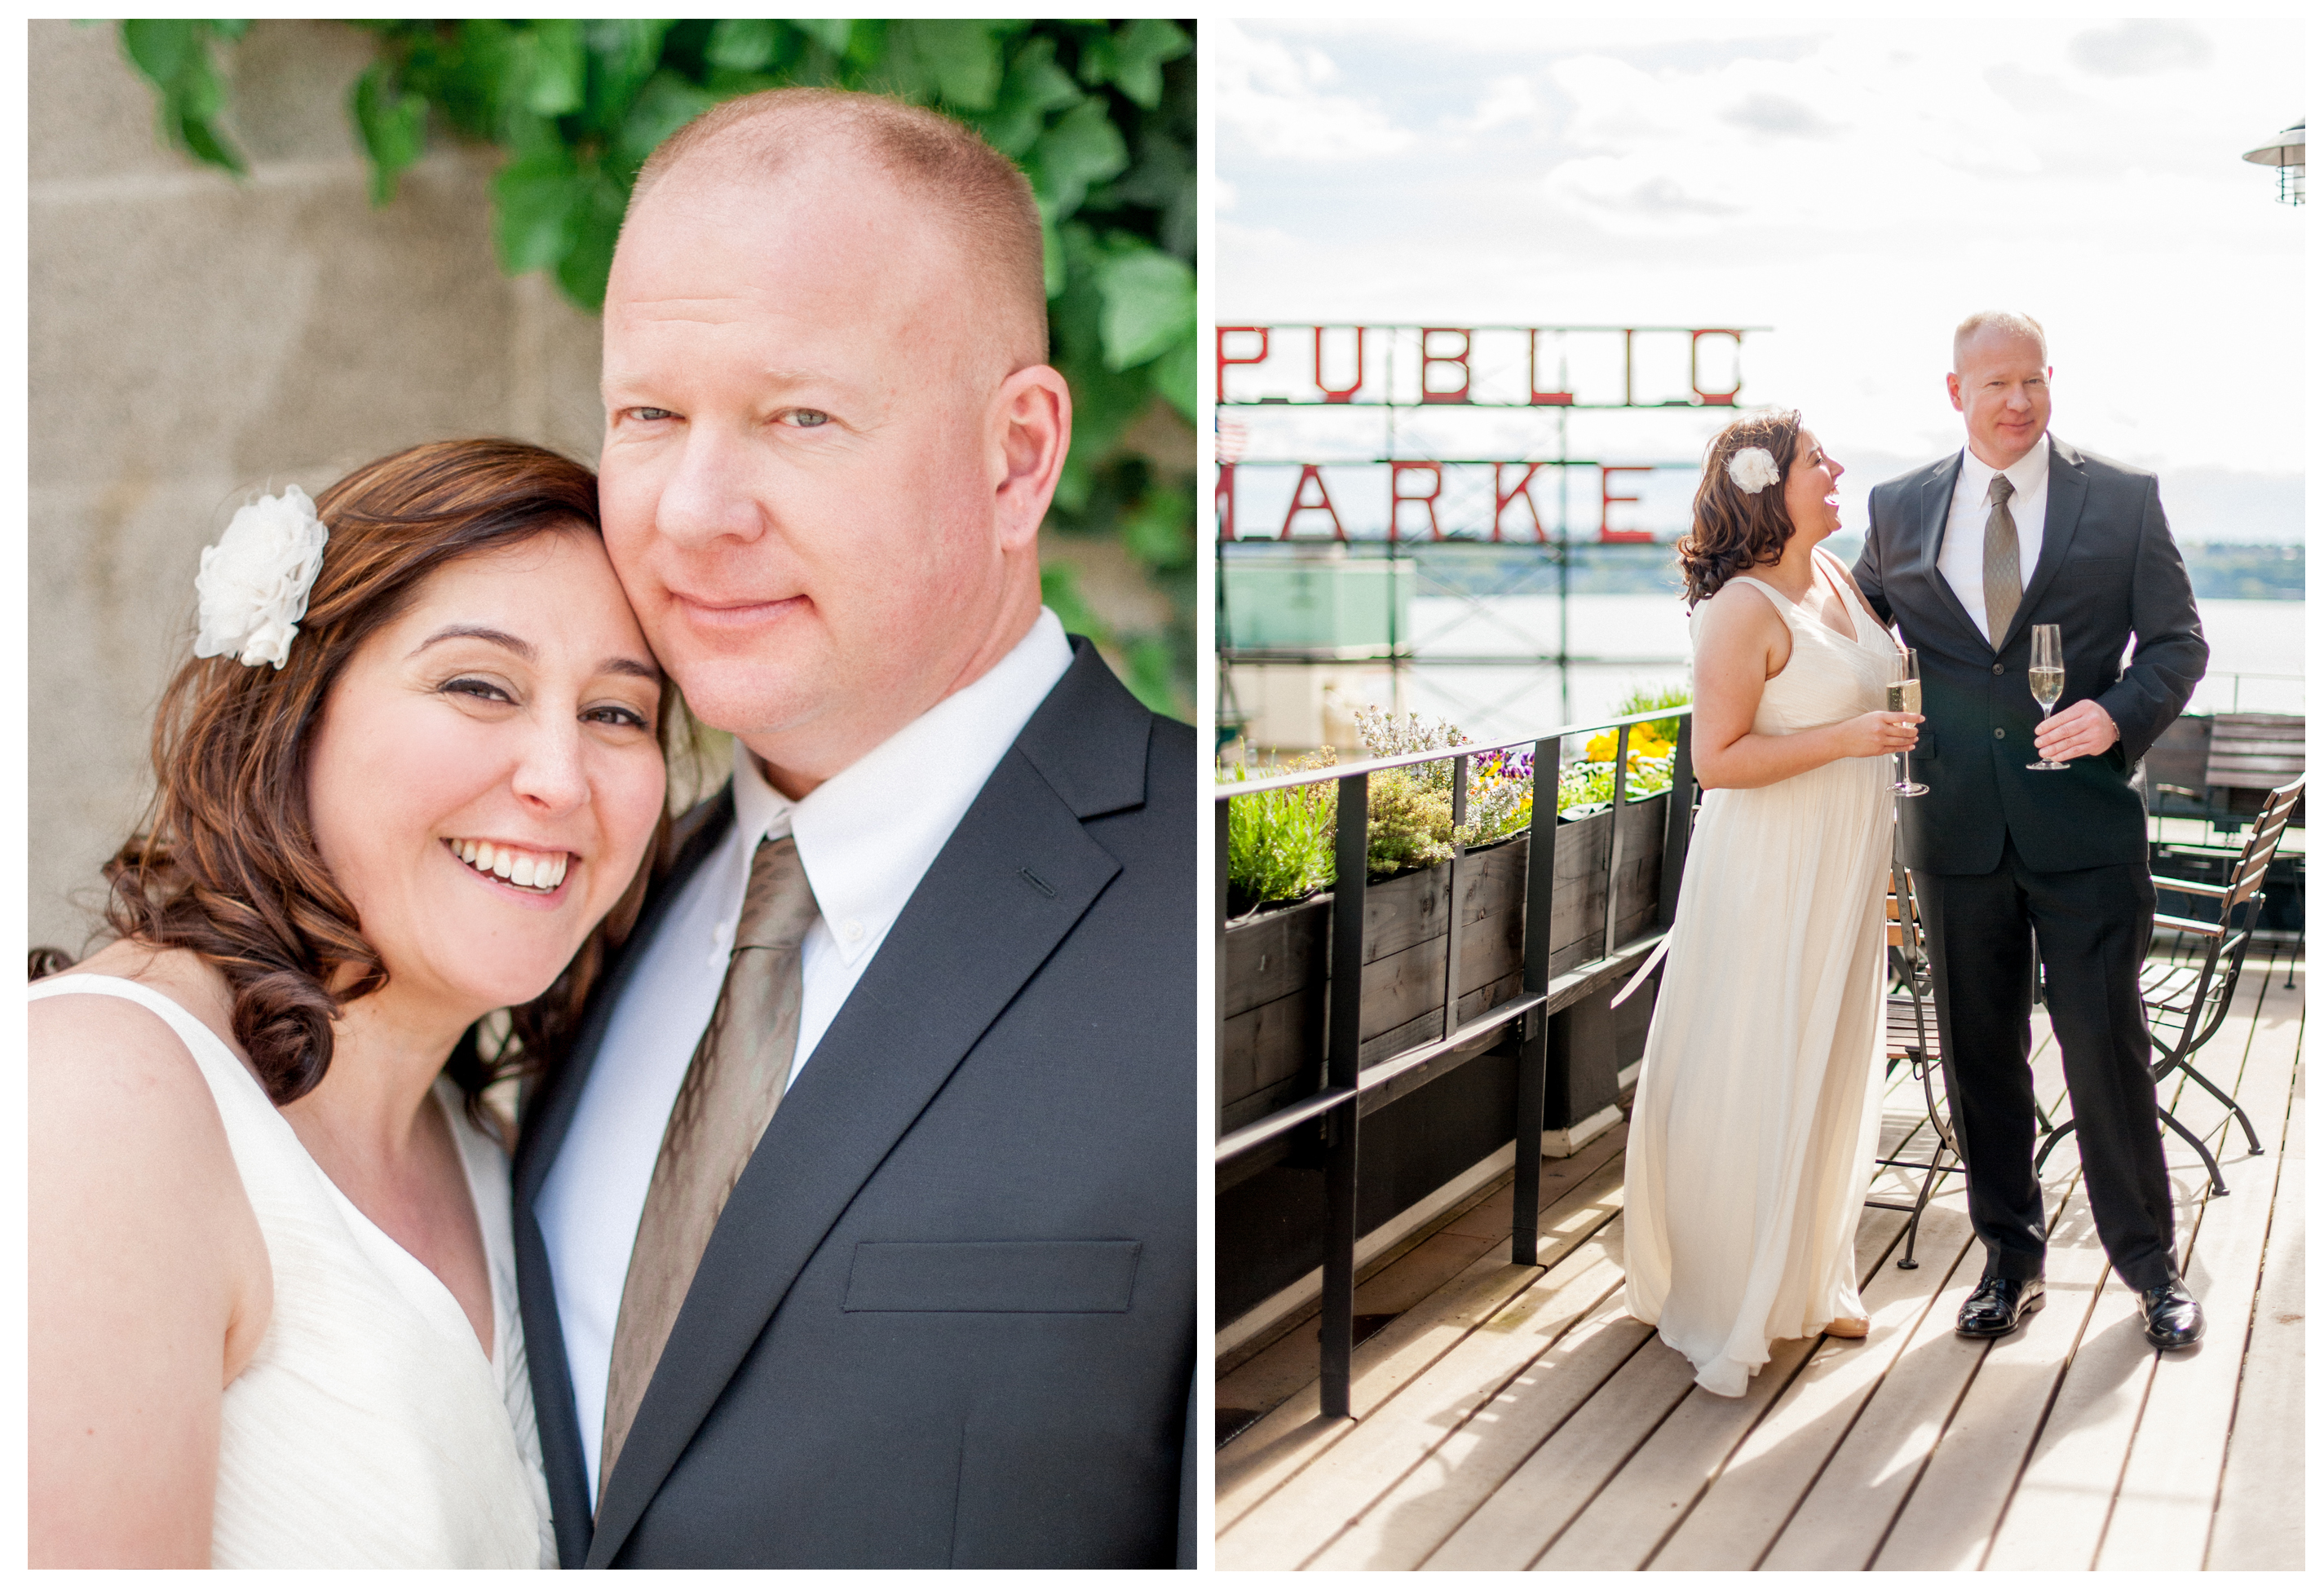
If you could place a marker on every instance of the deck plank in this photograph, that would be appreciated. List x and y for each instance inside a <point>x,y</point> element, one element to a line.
<point>1496,1366</point>
<point>1468,1467</point>
<point>1260,1460</point>
<point>1747,1507</point>
<point>1514,1415</point>
<point>2260,1523</point>
<point>2059,1512</point>
<point>1541,1500</point>
<point>2169,1485</point>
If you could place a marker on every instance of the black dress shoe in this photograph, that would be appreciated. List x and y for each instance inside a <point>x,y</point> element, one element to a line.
<point>2173,1317</point>
<point>1998,1306</point>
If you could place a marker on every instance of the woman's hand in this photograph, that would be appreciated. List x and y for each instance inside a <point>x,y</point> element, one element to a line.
<point>1877,734</point>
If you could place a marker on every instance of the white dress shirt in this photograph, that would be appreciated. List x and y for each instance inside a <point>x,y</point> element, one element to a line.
<point>1961,559</point>
<point>865,838</point>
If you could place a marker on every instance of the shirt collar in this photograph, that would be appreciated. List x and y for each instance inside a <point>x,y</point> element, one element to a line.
<point>2029,474</point>
<point>868,835</point>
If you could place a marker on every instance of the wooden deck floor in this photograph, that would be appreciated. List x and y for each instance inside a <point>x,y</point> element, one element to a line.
<point>1514,1417</point>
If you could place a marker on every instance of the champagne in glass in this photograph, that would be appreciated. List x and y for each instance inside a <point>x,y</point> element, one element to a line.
<point>1905,696</point>
<point>2046,675</point>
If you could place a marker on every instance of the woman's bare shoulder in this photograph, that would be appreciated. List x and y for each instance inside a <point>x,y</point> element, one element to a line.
<point>116,1097</point>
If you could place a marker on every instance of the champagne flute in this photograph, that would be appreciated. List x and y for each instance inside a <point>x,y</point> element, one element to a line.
<point>1905,696</point>
<point>2047,676</point>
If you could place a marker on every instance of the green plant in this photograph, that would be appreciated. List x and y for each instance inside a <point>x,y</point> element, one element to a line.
<point>1642,700</point>
<point>1411,823</point>
<point>1279,840</point>
<point>1101,115</point>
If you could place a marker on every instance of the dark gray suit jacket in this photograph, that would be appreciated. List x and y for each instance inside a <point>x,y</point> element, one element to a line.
<point>946,1319</point>
<point>2109,570</point>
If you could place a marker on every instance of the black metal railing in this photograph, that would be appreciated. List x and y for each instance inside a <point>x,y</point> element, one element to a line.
<point>1347,1081</point>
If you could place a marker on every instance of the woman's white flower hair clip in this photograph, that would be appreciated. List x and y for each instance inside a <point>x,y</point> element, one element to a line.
<point>1753,470</point>
<point>254,582</point>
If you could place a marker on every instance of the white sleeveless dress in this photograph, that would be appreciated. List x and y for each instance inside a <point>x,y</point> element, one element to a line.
<point>369,1429</point>
<point>1756,1115</point>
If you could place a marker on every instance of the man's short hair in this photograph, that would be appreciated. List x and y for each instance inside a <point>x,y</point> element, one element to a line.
<point>2003,320</point>
<point>976,189</point>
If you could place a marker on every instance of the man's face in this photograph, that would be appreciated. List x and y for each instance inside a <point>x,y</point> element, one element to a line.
<point>797,485</point>
<point>2002,389</point>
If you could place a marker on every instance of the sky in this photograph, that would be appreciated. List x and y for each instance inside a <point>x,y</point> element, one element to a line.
<point>1857,186</point>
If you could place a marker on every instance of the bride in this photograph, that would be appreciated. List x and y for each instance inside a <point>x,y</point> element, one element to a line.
<point>1755,1117</point>
<point>411,770</point>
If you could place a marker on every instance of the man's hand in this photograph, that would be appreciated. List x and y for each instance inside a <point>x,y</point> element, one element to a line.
<point>2082,730</point>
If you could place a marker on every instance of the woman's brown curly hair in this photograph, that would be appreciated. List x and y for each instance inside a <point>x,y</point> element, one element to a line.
<point>1735,531</point>
<point>226,864</point>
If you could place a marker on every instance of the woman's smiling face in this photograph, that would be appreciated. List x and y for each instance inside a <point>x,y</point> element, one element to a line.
<point>1811,488</point>
<point>487,772</point>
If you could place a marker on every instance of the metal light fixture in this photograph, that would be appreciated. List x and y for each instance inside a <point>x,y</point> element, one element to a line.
<point>2288,155</point>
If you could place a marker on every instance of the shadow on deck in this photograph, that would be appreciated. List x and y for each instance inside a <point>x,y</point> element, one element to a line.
<point>1514,1417</point>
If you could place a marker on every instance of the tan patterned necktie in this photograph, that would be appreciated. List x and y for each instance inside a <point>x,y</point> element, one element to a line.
<point>732,1087</point>
<point>2002,586</point>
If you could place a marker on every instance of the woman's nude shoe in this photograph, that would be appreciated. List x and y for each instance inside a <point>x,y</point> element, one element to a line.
<point>1850,1328</point>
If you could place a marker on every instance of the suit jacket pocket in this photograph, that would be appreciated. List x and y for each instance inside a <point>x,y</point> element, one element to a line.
<point>991,1277</point>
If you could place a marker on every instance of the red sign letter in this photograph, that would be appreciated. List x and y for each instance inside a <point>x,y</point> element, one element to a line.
<point>1606,532</point>
<point>1534,394</point>
<point>1258,358</point>
<point>1338,394</point>
<point>1521,491</point>
<point>1459,394</point>
<point>1299,505</point>
<point>1396,497</point>
<point>1725,400</point>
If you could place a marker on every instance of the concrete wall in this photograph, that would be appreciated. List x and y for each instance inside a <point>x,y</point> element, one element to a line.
<point>193,338</point>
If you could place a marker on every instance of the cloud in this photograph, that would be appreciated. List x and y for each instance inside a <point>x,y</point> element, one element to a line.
<point>1274,98</point>
<point>2139,48</point>
<point>1775,114</point>
<point>1507,99</point>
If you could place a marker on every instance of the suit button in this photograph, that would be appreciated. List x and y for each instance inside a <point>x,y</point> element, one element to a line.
<point>1997,670</point>
<point>1997,734</point>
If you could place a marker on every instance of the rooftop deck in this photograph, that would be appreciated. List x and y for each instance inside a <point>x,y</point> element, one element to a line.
<point>1510,1417</point>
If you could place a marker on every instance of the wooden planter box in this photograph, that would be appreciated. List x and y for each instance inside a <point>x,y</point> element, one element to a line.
<point>1276,967</point>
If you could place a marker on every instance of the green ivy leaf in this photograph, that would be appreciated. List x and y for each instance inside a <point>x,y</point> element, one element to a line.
<point>1159,532</point>
<point>1149,302</point>
<point>1080,147</point>
<point>962,59</point>
<point>745,44</point>
<point>393,123</point>
<point>1139,51</point>
<point>534,203</point>
<point>831,33</point>
<point>596,227</point>
<point>175,58</point>
<point>667,103</point>
<point>163,50</point>
<point>558,68</point>
<point>1061,593</point>
<point>1173,374</point>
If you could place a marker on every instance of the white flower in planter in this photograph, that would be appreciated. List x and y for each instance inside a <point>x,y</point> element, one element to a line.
<point>1753,470</point>
<point>254,582</point>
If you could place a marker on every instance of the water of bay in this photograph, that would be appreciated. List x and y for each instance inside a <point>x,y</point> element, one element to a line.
<point>2258,658</point>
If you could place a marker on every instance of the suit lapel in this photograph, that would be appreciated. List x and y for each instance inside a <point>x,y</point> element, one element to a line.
<point>2060,517</point>
<point>545,1120</point>
<point>1008,886</point>
<point>1936,506</point>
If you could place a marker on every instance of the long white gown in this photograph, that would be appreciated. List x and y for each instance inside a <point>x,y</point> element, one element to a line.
<point>369,1429</point>
<point>1756,1117</point>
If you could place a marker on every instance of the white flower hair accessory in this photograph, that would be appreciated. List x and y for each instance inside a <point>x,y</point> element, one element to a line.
<point>254,582</point>
<point>1753,470</point>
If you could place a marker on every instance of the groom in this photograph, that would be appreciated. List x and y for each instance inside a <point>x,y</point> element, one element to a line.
<point>858,1231</point>
<point>1968,554</point>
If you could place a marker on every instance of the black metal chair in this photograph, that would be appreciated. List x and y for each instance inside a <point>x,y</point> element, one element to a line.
<point>2187,1001</point>
<point>1912,1039</point>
